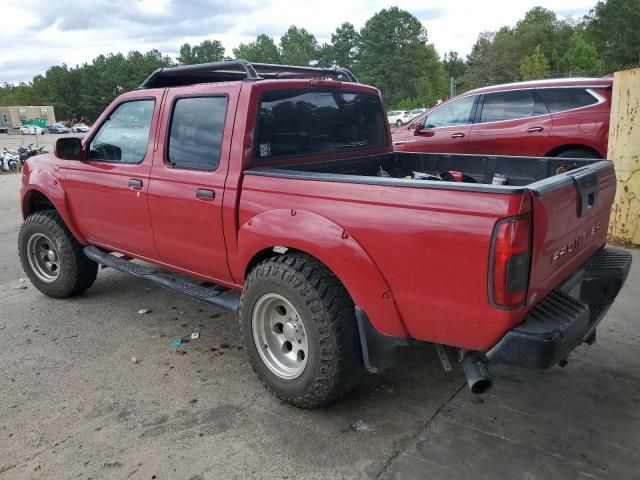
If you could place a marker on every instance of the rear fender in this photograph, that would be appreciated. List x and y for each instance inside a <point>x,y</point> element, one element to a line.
<point>44,182</point>
<point>332,245</point>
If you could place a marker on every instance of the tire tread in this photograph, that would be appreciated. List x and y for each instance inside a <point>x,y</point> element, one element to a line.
<point>339,344</point>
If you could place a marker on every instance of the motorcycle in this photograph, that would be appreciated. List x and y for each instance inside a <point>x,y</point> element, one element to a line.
<point>13,159</point>
<point>10,160</point>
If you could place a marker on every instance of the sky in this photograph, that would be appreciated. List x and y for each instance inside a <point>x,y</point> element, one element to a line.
<point>37,34</point>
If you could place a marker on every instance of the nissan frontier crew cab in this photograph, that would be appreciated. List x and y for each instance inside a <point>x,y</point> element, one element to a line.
<point>281,183</point>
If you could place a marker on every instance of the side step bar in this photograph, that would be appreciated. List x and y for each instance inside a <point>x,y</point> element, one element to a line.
<point>209,295</point>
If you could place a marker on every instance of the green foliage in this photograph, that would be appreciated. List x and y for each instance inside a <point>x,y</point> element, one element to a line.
<point>262,50</point>
<point>516,53</point>
<point>207,51</point>
<point>581,58</point>
<point>85,90</point>
<point>298,47</point>
<point>614,27</point>
<point>453,65</point>
<point>409,104</point>
<point>394,55</point>
<point>342,50</point>
<point>535,66</point>
<point>390,52</point>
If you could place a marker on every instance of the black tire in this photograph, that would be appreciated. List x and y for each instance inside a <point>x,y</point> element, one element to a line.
<point>399,123</point>
<point>334,360</point>
<point>76,272</point>
<point>578,153</point>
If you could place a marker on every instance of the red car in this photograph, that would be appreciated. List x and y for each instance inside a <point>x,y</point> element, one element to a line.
<point>281,183</point>
<point>545,118</point>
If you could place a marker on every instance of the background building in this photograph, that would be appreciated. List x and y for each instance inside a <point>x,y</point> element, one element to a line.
<point>14,117</point>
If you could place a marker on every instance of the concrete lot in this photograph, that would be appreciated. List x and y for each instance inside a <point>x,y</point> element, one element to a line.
<point>73,405</point>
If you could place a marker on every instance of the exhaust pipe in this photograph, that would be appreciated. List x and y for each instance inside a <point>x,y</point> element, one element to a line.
<point>477,372</point>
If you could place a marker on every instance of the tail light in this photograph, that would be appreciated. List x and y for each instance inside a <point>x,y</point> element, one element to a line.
<point>510,262</point>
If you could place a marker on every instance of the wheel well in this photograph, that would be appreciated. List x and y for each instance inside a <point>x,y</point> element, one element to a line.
<point>266,254</point>
<point>38,202</point>
<point>563,148</point>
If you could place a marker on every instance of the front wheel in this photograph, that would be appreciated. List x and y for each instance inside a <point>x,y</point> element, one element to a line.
<point>399,123</point>
<point>52,258</point>
<point>299,330</point>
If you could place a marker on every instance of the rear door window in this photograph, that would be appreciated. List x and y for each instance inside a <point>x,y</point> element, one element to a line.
<point>308,122</point>
<point>195,138</point>
<point>561,99</point>
<point>511,105</point>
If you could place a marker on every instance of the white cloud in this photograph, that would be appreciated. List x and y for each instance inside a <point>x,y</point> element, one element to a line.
<point>37,34</point>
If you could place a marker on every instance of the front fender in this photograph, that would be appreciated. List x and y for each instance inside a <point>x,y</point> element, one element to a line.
<point>332,245</point>
<point>45,183</point>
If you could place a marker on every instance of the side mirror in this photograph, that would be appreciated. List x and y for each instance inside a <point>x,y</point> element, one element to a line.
<point>424,130</point>
<point>69,148</point>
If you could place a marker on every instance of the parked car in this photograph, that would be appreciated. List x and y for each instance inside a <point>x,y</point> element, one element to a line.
<point>416,112</point>
<point>58,128</point>
<point>343,250</point>
<point>398,117</point>
<point>32,130</point>
<point>79,128</point>
<point>556,118</point>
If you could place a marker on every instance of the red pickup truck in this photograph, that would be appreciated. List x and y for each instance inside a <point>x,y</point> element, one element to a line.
<point>281,182</point>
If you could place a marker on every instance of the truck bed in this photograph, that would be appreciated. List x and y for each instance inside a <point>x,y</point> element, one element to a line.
<point>519,171</point>
<point>432,240</point>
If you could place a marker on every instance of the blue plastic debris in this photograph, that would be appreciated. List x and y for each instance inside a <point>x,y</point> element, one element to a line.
<point>177,342</point>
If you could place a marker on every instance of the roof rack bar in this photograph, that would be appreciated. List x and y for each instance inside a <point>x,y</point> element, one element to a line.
<point>329,72</point>
<point>200,68</point>
<point>233,70</point>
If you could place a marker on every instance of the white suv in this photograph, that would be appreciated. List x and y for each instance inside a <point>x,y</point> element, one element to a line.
<point>398,118</point>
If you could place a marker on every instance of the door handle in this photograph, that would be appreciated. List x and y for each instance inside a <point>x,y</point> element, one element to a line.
<point>135,183</point>
<point>535,129</point>
<point>457,135</point>
<point>204,194</point>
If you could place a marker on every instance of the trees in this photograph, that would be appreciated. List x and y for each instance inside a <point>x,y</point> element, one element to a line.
<point>581,58</point>
<point>389,52</point>
<point>298,47</point>
<point>342,50</point>
<point>263,50</point>
<point>613,26</point>
<point>454,66</point>
<point>207,51</point>
<point>535,66</point>
<point>393,54</point>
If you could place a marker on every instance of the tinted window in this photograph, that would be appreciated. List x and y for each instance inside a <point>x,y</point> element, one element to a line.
<point>304,122</point>
<point>457,112</point>
<point>559,99</point>
<point>195,138</point>
<point>507,106</point>
<point>124,136</point>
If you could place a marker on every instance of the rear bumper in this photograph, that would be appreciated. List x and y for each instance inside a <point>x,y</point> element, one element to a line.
<point>568,316</point>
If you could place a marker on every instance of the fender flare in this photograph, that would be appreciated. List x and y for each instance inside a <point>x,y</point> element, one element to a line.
<point>336,248</point>
<point>46,184</point>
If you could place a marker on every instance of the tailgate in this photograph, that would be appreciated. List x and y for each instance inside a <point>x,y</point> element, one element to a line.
<point>570,221</point>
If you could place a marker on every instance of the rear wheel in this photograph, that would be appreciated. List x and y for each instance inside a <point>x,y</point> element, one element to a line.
<point>299,330</point>
<point>578,153</point>
<point>399,123</point>
<point>52,258</point>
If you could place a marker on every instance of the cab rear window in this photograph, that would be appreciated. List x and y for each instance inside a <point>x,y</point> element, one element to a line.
<point>311,122</point>
<point>561,99</point>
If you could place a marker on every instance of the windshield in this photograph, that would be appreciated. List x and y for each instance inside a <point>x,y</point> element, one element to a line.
<point>306,122</point>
